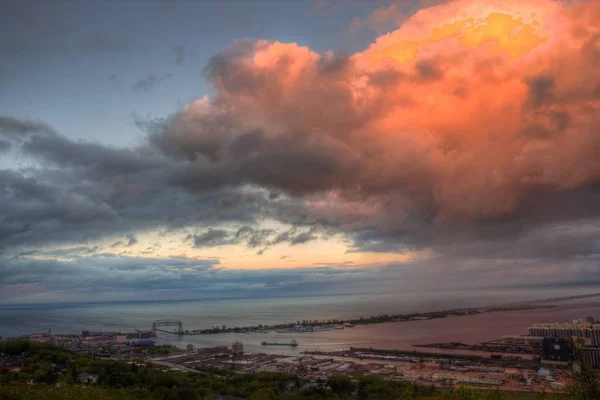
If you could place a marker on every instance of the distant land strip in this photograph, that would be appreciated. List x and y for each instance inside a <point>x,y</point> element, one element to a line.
<point>332,324</point>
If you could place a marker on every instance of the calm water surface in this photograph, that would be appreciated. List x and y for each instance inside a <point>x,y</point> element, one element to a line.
<point>66,318</point>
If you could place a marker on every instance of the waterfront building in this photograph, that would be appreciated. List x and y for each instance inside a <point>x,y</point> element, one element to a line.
<point>581,327</point>
<point>237,348</point>
<point>522,340</point>
<point>595,335</point>
<point>591,355</point>
<point>39,337</point>
<point>556,350</point>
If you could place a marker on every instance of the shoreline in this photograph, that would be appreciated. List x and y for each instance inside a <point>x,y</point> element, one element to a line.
<point>316,326</point>
<point>333,324</point>
<point>337,324</point>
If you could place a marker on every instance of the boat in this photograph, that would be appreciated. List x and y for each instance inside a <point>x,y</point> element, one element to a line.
<point>293,343</point>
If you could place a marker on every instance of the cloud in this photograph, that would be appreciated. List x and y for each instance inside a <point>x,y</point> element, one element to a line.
<point>170,278</point>
<point>459,143</point>
<point>131,239</point>
<point>252,237</point>
<point>14,128</point>
<point>390,15</point>
<point>179,53</point>
<point>468,133</point>
<point>33,211</point>
<point>5,146</point>
<point>81,190</point>
<point>212,237</point>
<point>150,82</point>
<point>151,278</point>
<point>428,70</point>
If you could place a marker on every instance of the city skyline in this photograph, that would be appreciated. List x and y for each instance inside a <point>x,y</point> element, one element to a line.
<point>170,149</point>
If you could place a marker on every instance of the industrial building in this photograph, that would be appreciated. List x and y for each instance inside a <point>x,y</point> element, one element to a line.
<point>237,348</point>
<point>582,327</point>
<point>556,351</point>
<point>591,355</point>
<point>523,340</point>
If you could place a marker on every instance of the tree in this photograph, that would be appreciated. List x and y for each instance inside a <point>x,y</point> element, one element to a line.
<point>134,367</point>
<point>261,394</point>
<point>341,384</point>
<point>74,372</point>
<point>584,385</point>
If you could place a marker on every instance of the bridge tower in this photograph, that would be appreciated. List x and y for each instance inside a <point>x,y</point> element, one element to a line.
<point>156,325</point>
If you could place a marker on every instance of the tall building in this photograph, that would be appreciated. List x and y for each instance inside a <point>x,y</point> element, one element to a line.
<point>237,348</point>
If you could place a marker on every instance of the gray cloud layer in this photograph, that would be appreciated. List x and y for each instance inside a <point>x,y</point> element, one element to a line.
<point>318,143</point>
<point>84,190</point>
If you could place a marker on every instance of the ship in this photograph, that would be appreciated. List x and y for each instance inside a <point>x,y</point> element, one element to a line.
<point>293,343</point>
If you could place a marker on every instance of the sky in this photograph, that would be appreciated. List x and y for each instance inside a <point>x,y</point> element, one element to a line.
<point>190,149</point>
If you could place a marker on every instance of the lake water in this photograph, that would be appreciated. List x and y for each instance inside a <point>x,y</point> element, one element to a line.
<point>127,316</point>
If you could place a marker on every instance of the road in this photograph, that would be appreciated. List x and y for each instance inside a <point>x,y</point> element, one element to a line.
<point>159,361</point>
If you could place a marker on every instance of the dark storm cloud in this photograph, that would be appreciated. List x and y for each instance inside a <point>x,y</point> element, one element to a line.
<point>101,267</point>
<point>5,145</point>
<point>540,89</point>
<point>92,191</point>
<point>265,238</point>
<point>60,151</point>
<point>131,239</point>
<point>212,237</point>
<point>251,237</point>
<point>428,70</point>
<point>16,128</point>
<point>86,191</point>
<point>33,211</point>
<point>316,165</point>
<point>150,82</point>
<point>303,238</point>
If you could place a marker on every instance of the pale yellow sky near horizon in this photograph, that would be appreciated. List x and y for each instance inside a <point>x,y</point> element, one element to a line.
<point>324,251</point>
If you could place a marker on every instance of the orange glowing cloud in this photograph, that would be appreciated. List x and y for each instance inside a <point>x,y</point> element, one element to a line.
<point>515,31</point>
<point>466,110</point>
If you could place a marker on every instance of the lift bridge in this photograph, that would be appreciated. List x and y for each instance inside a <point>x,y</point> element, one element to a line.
<point>156,325</point>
